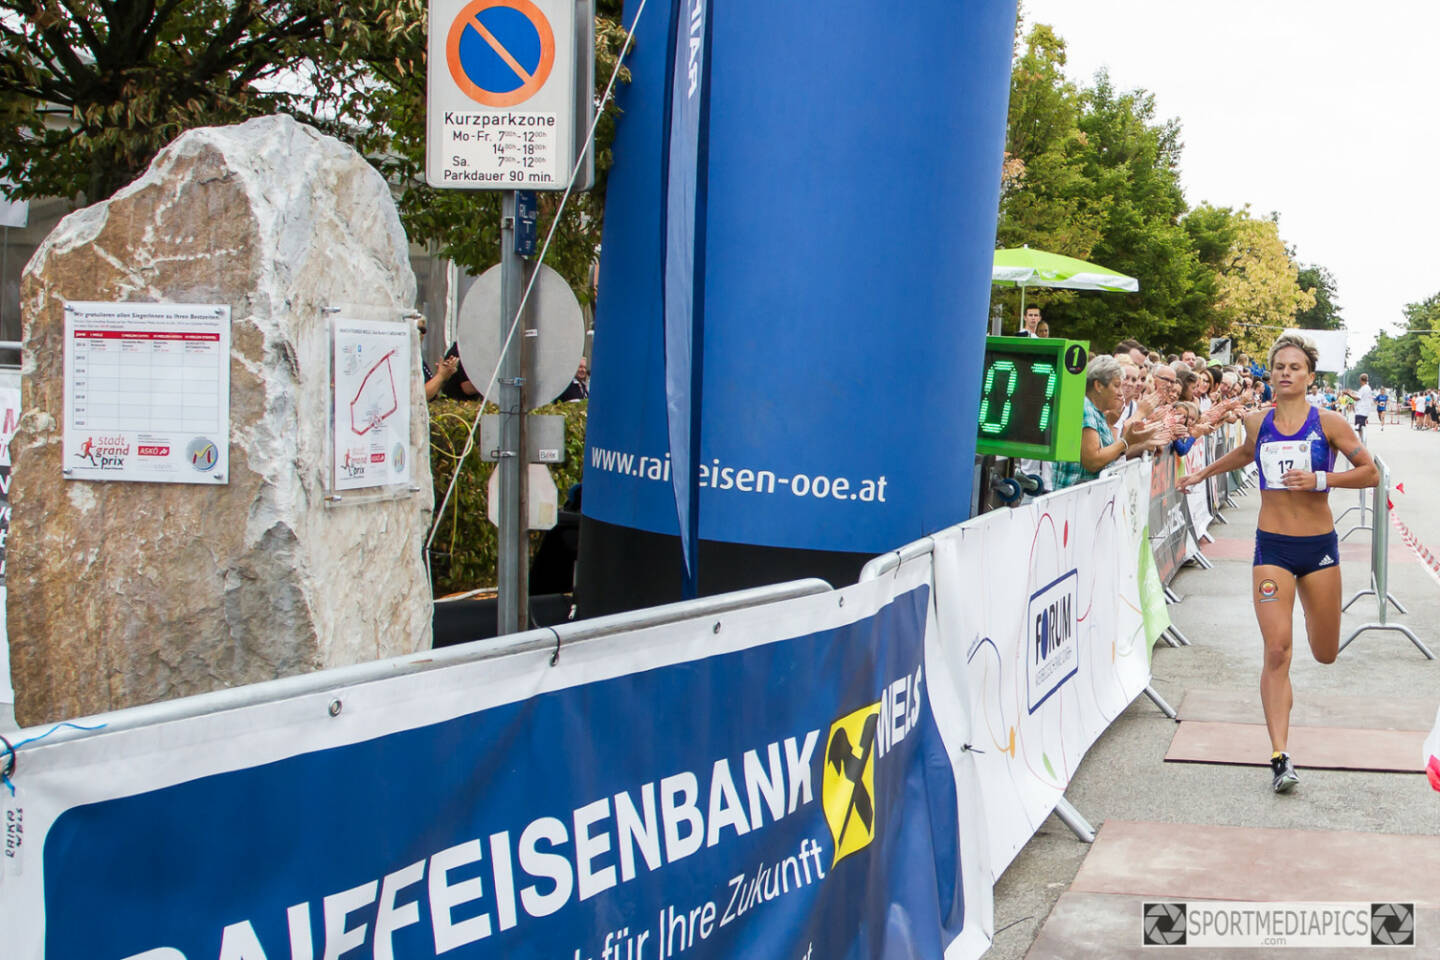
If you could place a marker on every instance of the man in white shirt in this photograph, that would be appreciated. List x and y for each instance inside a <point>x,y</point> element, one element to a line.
<point>1364,405</point>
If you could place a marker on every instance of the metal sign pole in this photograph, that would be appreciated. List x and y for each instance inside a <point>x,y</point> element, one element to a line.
<point>513,572</point>
<point>481,133</point>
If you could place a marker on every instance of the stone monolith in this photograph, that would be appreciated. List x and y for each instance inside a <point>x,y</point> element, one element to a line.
<point>125,593</point>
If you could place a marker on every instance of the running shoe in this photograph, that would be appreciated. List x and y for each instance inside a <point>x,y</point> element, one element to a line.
<point>1285,775</point>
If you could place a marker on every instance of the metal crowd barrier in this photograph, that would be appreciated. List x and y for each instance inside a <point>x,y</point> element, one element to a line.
<point>1380,568</point>
<point>1065,811</point>
<point>1363,508</point>
<point>555,638</point>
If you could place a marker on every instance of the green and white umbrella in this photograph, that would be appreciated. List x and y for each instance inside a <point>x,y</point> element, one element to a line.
<point>1023,267</point>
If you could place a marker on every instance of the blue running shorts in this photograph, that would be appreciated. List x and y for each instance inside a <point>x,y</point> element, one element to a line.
<point>1299,555</point>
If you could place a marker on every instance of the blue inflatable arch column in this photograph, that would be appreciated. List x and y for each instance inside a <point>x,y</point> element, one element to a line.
<point>852,185</point>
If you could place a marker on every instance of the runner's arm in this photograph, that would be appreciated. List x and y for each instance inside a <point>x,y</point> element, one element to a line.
<point>1233,460</point>
<point>1342,437</point>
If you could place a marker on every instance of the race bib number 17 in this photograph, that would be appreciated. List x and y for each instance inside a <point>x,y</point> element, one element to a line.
<point>1281,456</point>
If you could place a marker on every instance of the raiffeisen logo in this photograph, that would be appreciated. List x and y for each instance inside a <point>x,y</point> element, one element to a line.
<point>105,453</point>
<point>847,788</point>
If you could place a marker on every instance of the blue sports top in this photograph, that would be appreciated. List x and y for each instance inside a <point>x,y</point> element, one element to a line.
<point>1277,452</point>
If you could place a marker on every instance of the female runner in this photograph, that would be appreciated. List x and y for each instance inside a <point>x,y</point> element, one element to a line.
<point>1296,550</point>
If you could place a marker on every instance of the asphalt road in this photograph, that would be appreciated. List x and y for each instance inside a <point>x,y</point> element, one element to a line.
<point>1125,777</point>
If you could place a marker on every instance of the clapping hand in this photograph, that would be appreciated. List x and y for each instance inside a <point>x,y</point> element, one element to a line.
<point>1140,434</point>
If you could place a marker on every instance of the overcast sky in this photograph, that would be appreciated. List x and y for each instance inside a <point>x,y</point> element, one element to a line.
<point>1322,110</point>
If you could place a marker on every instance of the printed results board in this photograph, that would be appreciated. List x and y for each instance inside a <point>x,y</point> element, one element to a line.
<point>501,94</point>
<point>147,392</point>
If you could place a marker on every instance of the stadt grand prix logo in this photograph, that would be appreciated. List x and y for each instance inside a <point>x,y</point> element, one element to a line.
<point>105,453</point>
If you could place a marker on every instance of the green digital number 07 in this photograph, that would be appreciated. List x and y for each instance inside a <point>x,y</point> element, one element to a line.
<point>993,423</point>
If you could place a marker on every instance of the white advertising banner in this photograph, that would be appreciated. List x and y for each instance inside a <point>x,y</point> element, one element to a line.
<point>371,411</point>
<point>147,392</point>
<point>1042,604</point>
<point>1332,344</point>
<point>1197,497</point>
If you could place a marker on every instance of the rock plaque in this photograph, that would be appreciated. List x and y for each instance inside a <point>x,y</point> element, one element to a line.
<point>127,593</point>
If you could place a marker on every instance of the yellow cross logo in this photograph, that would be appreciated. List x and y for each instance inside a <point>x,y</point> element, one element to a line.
<point>847,789</point>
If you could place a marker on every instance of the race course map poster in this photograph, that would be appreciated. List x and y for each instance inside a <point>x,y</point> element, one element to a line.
<point>371,413</point>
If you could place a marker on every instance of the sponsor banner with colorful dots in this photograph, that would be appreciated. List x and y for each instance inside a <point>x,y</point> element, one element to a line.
<point>1050,639</point>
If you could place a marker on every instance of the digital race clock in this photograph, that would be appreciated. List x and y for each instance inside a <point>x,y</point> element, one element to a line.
<point>1032,398</point>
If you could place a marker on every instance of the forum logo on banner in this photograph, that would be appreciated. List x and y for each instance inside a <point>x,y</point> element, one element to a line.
<point>1055,654</point>
<point>1042,607</point>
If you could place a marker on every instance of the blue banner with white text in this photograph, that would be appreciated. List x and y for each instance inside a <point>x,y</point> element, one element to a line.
<point>851,177</point>
<point>791,799</point>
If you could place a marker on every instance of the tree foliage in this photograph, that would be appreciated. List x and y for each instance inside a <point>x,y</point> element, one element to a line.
<point>1427,371</point>
<point>1093,172</point>
<point>1132,162</point>
<point>1258,288</point>
<point>1325,313</point>
<point>1045,194</point>
<point>91,90</point>
<point>1408,360</point>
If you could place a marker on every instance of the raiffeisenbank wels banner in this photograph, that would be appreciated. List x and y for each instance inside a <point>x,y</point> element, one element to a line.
<point>770,782</point>
<point>848,212</point>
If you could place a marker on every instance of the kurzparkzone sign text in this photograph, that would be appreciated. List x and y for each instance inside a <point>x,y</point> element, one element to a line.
<point>501,94</point>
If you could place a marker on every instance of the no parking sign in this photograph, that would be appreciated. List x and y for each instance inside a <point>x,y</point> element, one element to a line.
<point>505,79</point>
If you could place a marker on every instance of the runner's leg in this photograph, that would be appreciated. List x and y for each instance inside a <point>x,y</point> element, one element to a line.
<point>1274,608</point>
<point>1320,599</point>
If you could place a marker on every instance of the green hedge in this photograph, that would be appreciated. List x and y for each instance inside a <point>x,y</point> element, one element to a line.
<point>465,549</point>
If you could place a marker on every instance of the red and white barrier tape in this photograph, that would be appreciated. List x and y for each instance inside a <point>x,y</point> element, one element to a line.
<point>1428,560</point>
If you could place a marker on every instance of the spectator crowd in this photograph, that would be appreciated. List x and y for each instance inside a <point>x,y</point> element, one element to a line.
<point>1138,401</point>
